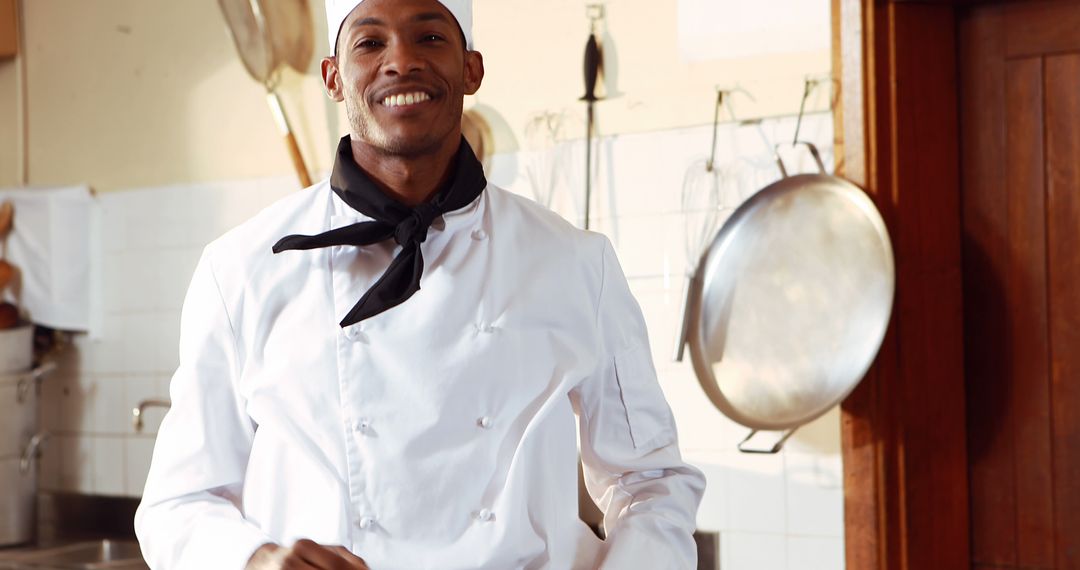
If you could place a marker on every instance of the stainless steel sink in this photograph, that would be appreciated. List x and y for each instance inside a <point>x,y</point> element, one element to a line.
<point>95,555</point>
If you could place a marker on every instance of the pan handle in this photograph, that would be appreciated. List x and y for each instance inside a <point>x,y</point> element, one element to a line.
<point>684,324</point>
<point>772,450</point>
<point>813,152</point>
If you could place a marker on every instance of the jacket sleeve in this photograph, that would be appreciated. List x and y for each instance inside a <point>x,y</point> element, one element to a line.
<point>629,447</point>
<point>190,516</point>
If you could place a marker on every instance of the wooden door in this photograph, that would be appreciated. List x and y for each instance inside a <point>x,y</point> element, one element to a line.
<point>903,430</point>
<point>1020,183</point>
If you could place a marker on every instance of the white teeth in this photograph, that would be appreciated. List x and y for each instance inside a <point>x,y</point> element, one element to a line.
<point>405,99</point>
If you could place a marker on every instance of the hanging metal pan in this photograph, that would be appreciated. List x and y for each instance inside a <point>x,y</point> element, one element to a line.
<point>790,301</point>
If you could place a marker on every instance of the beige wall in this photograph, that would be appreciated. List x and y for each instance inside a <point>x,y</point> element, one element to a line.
<point>139,93</point>
<point>9,133</point>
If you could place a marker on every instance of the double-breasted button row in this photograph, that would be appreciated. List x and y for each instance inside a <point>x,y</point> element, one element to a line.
<point>367,522</point>
<point>363,425</point>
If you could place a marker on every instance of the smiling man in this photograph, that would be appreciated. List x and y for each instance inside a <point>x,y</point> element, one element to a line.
<point>383,371</point>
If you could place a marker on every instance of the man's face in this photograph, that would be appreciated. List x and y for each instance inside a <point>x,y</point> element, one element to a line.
<point>403,71</point>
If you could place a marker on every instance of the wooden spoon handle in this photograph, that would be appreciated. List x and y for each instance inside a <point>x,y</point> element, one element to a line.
<point>7,273</point>
<point>278,110</point>
<point>7,218</point>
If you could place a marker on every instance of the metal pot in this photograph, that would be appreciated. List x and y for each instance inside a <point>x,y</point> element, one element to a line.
<point>16,348</point>
<point>18,410</point>
<point>18,491</point>
<point>19,446</point>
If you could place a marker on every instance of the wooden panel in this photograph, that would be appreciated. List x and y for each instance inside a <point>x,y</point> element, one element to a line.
<point>903,431</point>
<point>925,168</point>
<point>1063,220</point>
<point>1037,28</point>
<point>850,111</point>
<point>1021,234</point>
<point>9,39</point>
<point>862,427</point>
<point>1026,326</point>
<point>985,231</point>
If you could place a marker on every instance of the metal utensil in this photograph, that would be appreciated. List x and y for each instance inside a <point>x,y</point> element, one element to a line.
<point>701,206</point>
<point>790,302</point>
<point>139,411</point>
<point>268,33</point>
<point>594,63</point>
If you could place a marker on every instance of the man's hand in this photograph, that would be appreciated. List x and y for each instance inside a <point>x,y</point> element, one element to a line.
<point>304,555</point>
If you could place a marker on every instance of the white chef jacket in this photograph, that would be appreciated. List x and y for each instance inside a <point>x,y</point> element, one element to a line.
<point>438,434</point>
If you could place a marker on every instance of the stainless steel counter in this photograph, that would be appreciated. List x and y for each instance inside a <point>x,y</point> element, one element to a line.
<point>82,555</point>
<point>79,532</point>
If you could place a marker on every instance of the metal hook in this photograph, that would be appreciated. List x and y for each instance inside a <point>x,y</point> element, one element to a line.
<point>715,129</point>
<point>808,86</point>
<point>595,13</point>
<point>723,100</point>
<point>810,83</point>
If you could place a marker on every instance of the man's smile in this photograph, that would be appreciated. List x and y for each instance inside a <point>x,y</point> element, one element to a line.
<point>409,99</point>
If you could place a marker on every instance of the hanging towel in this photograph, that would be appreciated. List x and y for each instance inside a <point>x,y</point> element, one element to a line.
<point>51,246</point>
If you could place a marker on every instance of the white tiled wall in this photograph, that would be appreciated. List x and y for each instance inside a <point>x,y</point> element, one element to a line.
<point>781,512</point>
<point>150,242</point>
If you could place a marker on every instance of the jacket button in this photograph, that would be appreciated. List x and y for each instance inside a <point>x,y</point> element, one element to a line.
<point>354,333</point>
<point>484,422</point>
<point>479,234</point>
<point>485,515</point>
<point>362,426</point>
<point>366,522</point>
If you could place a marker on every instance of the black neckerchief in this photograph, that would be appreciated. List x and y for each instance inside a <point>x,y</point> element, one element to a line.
<point>392,219</point>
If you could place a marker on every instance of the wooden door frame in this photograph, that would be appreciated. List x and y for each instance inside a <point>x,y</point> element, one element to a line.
<point>904,430</point>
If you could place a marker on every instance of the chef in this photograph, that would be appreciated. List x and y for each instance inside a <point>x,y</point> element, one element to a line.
<point>384,370</point>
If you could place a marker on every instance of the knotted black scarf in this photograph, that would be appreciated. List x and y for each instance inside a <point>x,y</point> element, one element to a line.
<point>391,219</point>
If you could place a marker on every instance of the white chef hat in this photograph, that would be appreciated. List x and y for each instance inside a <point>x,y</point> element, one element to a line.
<point>338,10</point>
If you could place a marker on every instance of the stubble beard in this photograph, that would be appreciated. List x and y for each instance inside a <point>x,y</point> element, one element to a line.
<point>364,128</point>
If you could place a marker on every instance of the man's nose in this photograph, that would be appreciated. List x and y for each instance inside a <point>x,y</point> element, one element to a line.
<point>403,58</point>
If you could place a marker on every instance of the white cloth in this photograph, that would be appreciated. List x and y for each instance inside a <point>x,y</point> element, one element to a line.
<point>338,10</point>
<point>439,434</point>
<point>50,247</point>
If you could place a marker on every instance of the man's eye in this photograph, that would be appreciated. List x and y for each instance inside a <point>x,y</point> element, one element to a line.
<point>368,44</point>
<point>433,38</point>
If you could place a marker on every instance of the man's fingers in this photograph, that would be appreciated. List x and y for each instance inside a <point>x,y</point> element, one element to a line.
<point>294,563</point>
<point>317,555</point>
<point>355,562</point>
<point>326,557</point>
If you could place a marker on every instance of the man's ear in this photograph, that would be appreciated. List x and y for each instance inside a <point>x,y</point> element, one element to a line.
<point>474,72</point>
<point>332,79</point>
